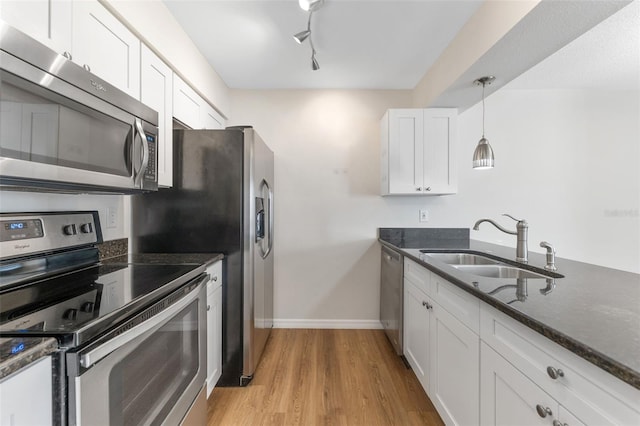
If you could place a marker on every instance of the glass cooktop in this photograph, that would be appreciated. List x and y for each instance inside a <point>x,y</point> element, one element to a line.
<point>77,306</point>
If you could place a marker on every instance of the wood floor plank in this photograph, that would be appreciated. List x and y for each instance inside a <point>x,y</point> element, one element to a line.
<point>326,377</point>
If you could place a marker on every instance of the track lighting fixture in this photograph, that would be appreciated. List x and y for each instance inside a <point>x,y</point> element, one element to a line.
<point>483,155</point>
<point>310,6</point>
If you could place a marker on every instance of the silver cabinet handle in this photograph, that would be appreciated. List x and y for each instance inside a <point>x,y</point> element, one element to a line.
<point>427,305</point>
<point>215,278</point>
<point>87,67</point>
<point>554,373</point>
<point>559,423</point>
<point>418,189</point>
<point>208,307</point>
<point>67,55</point>
<point>428,188</point>
<point>543,411</point>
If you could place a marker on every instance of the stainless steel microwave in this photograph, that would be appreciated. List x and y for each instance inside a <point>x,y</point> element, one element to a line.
<point>64,129</point>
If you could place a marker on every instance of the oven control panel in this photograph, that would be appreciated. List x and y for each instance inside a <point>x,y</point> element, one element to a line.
<point>30,233</point>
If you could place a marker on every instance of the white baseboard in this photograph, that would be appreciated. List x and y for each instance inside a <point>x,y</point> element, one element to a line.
<point>333,324</point>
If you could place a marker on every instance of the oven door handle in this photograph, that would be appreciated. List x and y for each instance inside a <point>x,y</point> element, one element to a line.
<point>95,355</point>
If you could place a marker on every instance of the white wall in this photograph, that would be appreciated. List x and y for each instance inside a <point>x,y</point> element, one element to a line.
<point>567,161</point>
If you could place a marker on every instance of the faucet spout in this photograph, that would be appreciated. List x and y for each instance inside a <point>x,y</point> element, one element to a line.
<point>522,230</point>
<point>476,227</point>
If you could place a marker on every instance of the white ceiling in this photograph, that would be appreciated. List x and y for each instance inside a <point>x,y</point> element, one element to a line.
<point>607,56</point>
<point>360,44</point>
<point>391,44</point>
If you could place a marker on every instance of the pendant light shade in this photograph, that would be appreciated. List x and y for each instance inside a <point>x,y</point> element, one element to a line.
<point>483,155</point>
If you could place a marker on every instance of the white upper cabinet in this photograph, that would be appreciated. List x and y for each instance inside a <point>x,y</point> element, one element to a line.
<point>210,118</point>
<point>156,91</point>
<point>48,21</point>
<point>417,151</point>
<point>104,46</point>
<point>191,109</point>
<point>186,104</point>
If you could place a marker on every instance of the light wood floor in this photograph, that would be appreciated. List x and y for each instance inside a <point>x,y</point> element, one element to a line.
<point>326,377</point>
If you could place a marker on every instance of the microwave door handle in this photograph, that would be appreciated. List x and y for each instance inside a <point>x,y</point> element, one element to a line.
<point>145,153</point>
<point>95,355</point>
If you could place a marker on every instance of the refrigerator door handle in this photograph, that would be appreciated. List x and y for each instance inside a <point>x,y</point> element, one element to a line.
<point>266,252</point>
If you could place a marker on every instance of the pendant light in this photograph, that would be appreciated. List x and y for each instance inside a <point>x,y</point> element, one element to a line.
<point>483,155</point>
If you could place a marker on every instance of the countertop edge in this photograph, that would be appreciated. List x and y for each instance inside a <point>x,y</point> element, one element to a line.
<point>611,366</point>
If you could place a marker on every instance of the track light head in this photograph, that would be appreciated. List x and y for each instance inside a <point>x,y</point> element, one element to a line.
<point>301,36</point>
<point>314,64</point>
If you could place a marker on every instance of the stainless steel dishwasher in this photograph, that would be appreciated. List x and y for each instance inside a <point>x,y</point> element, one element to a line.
<point>391,299</point>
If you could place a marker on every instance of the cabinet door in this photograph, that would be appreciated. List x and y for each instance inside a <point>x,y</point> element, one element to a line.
<point>156,90</point>
<point>25,390</point>
<point>106,46</point>
<point>416,332</point>
<point>406,134</point>
<point>214,336</point>
<point>508,397</point>
<point>48,21</point>
<point>439,150</point>
<point>210,118</point>
<point>454,369</point>
<point>186,104</point>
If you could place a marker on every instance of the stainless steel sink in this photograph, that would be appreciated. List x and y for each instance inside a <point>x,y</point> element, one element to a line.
<point>463,259</point>
<point>498,271</point>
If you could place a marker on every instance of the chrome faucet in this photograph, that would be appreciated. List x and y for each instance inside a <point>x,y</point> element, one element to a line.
<point>521,232</point>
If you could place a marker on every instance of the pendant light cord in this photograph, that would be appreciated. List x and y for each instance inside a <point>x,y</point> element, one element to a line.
<point>482,110</point>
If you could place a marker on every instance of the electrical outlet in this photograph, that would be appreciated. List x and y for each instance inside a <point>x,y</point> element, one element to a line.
<point>112,217</point>
<point>424,215</point>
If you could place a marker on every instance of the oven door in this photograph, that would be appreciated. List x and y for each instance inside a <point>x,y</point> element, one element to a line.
<point>149,374</point>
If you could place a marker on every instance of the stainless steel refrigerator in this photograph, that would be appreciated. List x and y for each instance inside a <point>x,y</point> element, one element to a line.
<point>221,201</point>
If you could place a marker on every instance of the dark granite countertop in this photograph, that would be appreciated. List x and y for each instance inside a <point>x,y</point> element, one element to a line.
<point>592,311</point>
<point>166,258</point>
<point>19,352</point>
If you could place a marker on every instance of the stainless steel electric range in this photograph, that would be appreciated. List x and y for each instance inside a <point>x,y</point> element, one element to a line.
<point>131,337</point>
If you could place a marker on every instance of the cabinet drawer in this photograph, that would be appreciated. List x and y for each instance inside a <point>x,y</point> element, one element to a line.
<point>457,302</point>
<point>590,394</point>
<point>418,275</point>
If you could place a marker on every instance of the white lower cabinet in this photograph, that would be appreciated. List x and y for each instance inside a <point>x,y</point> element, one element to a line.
<point>214,325</point>
<point>583,393</point>
<point>416,331</point>
<point>480,366</point>
<point>455,375</point>
<point>508,396</point>
<point>442,351</point>
<point>26,396</point>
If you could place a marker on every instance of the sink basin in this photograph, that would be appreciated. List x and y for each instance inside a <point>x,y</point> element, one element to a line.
<point>498,271</point>
<point>463,259</point>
